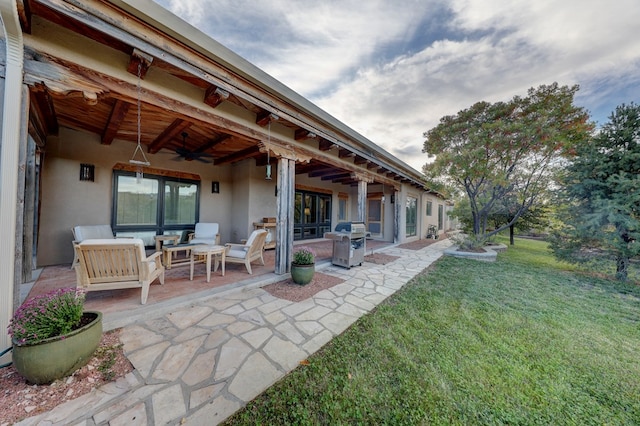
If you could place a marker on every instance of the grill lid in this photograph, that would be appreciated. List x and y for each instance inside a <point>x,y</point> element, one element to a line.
<point>351,227</point>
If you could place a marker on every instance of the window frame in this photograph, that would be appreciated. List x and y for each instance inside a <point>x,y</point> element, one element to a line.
<point>159,227</point>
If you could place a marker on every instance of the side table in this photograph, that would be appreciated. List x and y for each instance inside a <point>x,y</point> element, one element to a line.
<point>218,252</point>
<point>164,239</point>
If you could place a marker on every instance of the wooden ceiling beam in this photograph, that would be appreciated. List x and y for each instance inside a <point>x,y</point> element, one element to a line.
<point>250,152</point>
<point>325,145</point>
<point>345,153</point>
<point>303,134</point>
<point>322,172</point>
<point>173,130</point>
<point>337,176</point>
<point>43,104</point>
<point>265,118</point>
<point>360,160</point>
<point>24,15</point>
<point>214,96</point>
<point>213,143</point>
<point>118,113</point>
<point>139,62</point>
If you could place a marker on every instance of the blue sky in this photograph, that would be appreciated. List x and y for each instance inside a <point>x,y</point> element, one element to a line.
<point>391,69</point>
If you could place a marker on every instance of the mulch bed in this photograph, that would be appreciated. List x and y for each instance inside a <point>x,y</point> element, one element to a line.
<point>293,292</point>
<point>419,244</point>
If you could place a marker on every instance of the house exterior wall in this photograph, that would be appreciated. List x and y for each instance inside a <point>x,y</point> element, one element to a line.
<point>67,201</point>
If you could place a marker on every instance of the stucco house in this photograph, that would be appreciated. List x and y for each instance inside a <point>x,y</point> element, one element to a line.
<point>118,112</point>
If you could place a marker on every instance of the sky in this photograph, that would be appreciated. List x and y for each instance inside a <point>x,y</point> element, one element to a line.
<point>390,69</point>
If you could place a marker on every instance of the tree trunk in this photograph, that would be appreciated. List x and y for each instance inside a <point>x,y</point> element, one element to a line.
<point>511,231</point>
<point>622,267</point>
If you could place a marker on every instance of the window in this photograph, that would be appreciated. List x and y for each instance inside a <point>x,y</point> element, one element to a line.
<point>155,205</point>
<point>342,208</point>
<point>412,216</point>
<point>429,208</point>
<point>440,216</point>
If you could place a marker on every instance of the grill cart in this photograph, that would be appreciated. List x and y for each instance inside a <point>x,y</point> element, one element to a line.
<point>348,244</point>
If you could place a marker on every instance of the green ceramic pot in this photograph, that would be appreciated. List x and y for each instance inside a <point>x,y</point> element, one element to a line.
<point>302,274</point>
<point>58,357</point>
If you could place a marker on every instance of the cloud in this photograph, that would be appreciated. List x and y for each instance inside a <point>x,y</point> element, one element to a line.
<point>392,72</point>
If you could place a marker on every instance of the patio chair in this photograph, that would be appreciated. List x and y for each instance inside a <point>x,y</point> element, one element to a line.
<point>249,251</point>
<point>89,232</point>
<point>111,264</point>
<point>205,233</point>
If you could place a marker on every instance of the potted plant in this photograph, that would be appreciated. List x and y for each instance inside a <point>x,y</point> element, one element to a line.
<point>303,265</point>
<point>53,336</point>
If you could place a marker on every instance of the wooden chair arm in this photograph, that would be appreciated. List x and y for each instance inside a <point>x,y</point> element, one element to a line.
<point>230,245</point>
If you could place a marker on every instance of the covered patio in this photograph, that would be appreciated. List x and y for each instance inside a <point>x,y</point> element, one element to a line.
<point>118,306</point>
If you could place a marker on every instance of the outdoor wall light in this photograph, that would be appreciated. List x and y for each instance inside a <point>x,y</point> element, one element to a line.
<point>215,187</point>
<point>87,172</point>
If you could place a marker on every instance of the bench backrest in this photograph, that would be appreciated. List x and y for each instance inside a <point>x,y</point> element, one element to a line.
<point>111,260</point>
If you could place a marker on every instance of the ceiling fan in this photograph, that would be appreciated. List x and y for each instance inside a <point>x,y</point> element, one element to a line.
<point>185,154</point>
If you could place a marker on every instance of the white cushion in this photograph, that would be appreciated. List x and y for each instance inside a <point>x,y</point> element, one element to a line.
<point>203,241</point>
<point>240,253</point>
<point>206,230</point>
<point>86,232</point>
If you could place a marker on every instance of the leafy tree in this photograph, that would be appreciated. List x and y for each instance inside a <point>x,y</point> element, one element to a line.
<point>506,149</point>
<point>602,186</point>
<point>537,216</point>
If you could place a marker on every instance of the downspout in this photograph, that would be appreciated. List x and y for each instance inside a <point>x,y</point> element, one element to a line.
<point>9,149</point>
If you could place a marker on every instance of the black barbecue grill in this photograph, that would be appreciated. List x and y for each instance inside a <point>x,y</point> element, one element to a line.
<point>348,243</point>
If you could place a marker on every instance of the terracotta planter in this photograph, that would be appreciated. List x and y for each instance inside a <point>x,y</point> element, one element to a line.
<point>58,357</point>
<point>302,274</point>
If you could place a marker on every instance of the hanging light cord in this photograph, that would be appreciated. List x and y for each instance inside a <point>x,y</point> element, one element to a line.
<point>139,146</point>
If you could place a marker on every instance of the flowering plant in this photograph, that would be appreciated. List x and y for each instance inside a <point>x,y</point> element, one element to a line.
<point>49,315</point>
<point>304,256</point>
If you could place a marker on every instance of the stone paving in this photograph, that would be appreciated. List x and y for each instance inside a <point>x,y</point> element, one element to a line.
<point>198,364</point>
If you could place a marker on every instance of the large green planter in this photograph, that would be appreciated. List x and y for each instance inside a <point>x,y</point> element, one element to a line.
<point>302,274</point>
<point>58,357</point>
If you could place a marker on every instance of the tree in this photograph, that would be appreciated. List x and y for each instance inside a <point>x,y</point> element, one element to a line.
<point>602,189</point>
<point>506,149</point>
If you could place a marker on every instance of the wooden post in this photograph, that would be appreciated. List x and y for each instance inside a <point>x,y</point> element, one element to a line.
<point>284,213</point>
<point>362,200</point>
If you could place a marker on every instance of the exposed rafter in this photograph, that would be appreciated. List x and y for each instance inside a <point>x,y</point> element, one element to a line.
<point>325,145</point>
<point>139,59</point>
<point>118,113</point>
<point>303,134</point>
<point>214,96</point>
<point>239,156</point>
<point>172,131</point>
<point>265,118</point>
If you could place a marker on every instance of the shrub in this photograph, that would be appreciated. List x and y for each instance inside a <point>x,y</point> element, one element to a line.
<point>49,315</point>
<point>304,256</point>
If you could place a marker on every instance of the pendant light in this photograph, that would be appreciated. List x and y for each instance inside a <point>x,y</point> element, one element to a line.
<point>268,176</point>
<point>143,162</point>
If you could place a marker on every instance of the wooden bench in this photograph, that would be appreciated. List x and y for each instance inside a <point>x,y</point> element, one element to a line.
<point>110,264</point>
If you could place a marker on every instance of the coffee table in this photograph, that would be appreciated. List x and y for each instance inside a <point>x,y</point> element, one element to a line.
<point>169,251</point>
<point>218,252</point>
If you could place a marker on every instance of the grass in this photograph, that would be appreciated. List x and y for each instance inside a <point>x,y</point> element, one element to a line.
<point>520,341</point>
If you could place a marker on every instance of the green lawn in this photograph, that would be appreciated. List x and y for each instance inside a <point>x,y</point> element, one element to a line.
<point>520,341</point>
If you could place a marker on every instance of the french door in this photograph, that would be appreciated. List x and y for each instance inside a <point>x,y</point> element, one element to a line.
<point>312,215</point>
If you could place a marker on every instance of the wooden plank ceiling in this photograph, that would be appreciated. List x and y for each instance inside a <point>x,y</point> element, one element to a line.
<point>164,130</point>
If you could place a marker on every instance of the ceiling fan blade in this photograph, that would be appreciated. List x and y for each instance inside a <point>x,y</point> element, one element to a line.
<point>203,160</point>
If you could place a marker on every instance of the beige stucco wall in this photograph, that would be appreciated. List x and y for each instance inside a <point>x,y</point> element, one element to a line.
<point>67,202</point>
